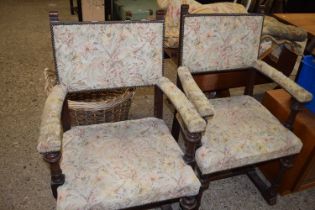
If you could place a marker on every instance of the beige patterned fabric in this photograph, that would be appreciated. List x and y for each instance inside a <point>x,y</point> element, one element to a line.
<point>194,123</point>
<point>119,165</point>
<point>272,28</point>
<point>108,55</point>
<point>295,47</point>
<point>282,34</point>
<point>243,132</point>
<point>172,17</point>
<point>193,92</point>
<point>298,92</point>
<point>234,39</point>
<point>51,131</point>
<point>283,31</point>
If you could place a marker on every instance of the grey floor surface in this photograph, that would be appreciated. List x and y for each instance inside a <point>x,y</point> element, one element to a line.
<point>25,50</point>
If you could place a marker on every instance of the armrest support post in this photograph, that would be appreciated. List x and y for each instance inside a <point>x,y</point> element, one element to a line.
<point>57,178</point>
<point>158,103</point>
<point>295,108</point>
<point>249,89</point>
<point>65,116</point>
<point>191,142</point>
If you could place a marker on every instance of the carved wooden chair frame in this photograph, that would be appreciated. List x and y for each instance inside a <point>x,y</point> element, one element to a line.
<point>191,140</point>
<point>268,191</point>
<point>285,63</point>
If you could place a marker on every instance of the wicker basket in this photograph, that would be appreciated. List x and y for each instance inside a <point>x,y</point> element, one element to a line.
<point>95,107</point>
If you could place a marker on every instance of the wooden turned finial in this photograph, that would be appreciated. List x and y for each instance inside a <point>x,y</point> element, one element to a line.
<point>184,9</point>
<point>53,16</point>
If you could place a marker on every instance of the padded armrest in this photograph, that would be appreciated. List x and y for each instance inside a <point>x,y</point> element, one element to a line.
<point>299,93</point>
<point>51,131</point>
<point>193,92</point>
<point>192,120</point>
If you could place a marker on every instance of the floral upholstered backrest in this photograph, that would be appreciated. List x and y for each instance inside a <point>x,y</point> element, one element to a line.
<point>220,42</point>
<point>94,56</point>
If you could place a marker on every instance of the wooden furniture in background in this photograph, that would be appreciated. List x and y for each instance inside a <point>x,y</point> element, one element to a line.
<point>93,10</point>
<point>305,21</point>
<point>302,175</point>
<point>302,20</point>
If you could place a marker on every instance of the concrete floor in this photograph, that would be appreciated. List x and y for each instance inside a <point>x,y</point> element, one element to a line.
<point>25,50</point>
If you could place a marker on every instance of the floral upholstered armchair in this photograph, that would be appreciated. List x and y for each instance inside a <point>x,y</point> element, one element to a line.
<point>274,33</point>
<point>240,131</point>
<point>133,163</point>
<point>172,16</point>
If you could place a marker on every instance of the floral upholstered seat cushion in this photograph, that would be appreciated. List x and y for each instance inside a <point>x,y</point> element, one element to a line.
<point>243,132</point>
<point>124,164</point>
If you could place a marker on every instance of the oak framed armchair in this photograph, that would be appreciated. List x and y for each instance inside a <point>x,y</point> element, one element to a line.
<point>240,132</point>
<point>131,164</point>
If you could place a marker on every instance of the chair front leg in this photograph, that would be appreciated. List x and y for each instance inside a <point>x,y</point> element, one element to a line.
<point>191,142</point>
<point>285,164</point>
<point>189,203</point>
<point>205,182</point>
<point>269,192</point>
<point>57,178</point>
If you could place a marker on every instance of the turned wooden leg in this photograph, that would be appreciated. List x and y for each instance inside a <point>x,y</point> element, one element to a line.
<point>191,142</point>
<point>57,178</point>
<point>189,203</point>
<point>269,192</point>
<point>285,164</point>
<point>204,186</point>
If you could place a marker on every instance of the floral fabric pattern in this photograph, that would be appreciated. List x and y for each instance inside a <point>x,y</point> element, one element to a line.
<point>193,92</point>
<point>98,56</point>
<point>272,28</point>
<point>243,132</point>
<point>298,92</point>
<point>172,17</point>
<point>283,31</point>
<point>234,39</point>
<point>194,123</point>
<point>124,164</point>
<point>51,131</point>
